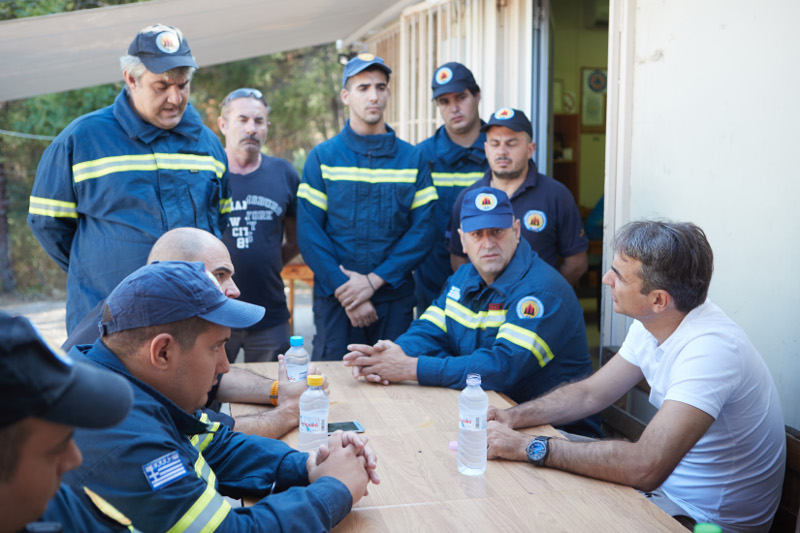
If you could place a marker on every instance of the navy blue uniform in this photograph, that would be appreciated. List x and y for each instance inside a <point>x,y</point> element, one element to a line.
<point>551,222</point>
<point>168,470</point>
<point>83,510</point>
<point>524,334</point>
<point>365,202</point>
<point>453,168</point>
<point>111,184</point>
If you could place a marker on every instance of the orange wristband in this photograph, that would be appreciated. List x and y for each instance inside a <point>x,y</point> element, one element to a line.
<point>273,393</point>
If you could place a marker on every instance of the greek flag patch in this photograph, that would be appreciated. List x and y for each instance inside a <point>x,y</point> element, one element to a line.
<point>455,293</point>
<point>164,470</point>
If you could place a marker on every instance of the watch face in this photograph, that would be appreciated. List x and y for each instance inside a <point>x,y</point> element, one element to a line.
<point>539,450</point>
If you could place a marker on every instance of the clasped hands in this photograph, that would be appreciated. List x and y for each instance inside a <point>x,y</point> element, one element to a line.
<point>354,295</point>
<point>383,363</point>
<point>347,458</point>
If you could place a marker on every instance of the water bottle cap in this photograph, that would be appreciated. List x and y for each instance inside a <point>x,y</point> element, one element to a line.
<point>296,340</point>
<point>314,381</point>
<point>473,379</point>
<point>706,527</point>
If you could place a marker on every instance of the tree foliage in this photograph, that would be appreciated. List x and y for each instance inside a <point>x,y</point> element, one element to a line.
<point>301,86</point>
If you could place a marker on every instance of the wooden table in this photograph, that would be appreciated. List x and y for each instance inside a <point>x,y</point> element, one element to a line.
<point>410,426</point>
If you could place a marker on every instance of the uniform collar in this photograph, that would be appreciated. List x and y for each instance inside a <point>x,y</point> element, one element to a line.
<point>101,355</point>
<point>382,145</point>
<point>190,125</point>
<point>451,153</point>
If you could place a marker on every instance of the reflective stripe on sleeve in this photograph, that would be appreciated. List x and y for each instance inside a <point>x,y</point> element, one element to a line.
<point>201,440</point>
<point>527,339</point>
<point>313,196</point>
<point>369,175</point>
<point>436,316</point>
<point>472,320</point>
<point>52,208</point>
<point>455,179</point>
<point>210,509</point>
<point>424,196</point>
<point>127,163</point>
<point>225,205</point>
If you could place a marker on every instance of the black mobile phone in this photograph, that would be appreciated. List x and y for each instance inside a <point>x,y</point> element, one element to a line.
<point>345,426</point>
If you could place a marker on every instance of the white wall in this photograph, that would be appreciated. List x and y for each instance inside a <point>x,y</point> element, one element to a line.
<point>716,140</point>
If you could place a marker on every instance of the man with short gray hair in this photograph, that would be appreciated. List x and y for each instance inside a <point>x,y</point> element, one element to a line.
<point>715,451</point>
<point>116,179</point>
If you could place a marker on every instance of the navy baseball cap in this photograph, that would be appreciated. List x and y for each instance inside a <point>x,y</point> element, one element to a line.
<point>361,62</point>
<point>513,119</point>
<point>38,379</point>
<point>486,207</point>
<point>451,78</point>
<point>169,291</point>
<point>161,48</point>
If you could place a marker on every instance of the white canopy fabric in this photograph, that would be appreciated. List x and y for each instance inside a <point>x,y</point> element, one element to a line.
<point>55,53</point>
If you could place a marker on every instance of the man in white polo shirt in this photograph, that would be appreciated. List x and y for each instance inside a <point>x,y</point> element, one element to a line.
<point>716,449</point>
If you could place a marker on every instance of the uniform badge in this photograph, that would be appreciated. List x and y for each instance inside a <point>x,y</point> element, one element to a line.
<point>454,293</point>
<point>504,113</point>
<point>535,220</point>
<point>168,42</point>
<point>164,470</point>
<point>530,307</point>
<point>443,75</point>
<point>366,56</point>
<point>485,201</point>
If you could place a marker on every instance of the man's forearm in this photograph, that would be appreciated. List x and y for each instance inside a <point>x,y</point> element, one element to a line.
<point>563,405</point>
<point>243,386</point>
<point>272,424</point>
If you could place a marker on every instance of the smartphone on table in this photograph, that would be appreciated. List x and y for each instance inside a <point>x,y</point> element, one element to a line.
<point>345,426</point>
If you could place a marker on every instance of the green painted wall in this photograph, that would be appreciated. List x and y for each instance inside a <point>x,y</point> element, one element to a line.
<point>576,46</point>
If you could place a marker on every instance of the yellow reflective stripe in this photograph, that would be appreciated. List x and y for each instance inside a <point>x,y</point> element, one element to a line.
<point>52,208</point>
<point>313,196</point>
<point>436,316</point>
<point>208,511</point>
<point>424,196</point>
<point>225,205</point>
<point>527,339</point>
<point>208,436</point>
<point>472,320</point>
<point>455,179</point>
<point>369,175</point>
<point>126,163</point>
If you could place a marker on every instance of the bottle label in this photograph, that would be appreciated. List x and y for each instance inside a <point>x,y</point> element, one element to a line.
<point>472,421</point>
<point>313,424</point>
<point>296,373</point>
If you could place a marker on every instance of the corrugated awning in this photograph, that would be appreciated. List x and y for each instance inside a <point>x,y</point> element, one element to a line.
<point>55,53</point>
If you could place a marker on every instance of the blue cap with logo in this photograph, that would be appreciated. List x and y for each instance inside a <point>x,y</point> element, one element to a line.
<point>452,78</point>
<point>161,48</point>
<point>38,379</point>
<point>169,291</point>
<point>513,119</point>
<point>486,207</point>
<point>361,62</point>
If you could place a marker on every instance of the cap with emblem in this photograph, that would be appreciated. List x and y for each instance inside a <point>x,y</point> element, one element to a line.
<point>361,62</point>
<point>161,48</point>
<point>452,78</point>
<point>169,291</point>
<point>513,119</point>
<point>486,207</point>
<point>38,379</point>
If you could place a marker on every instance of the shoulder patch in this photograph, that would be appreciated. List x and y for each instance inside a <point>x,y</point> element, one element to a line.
<point>454,293</point>
<point>535,220</point>
<point>530,307</point>
<point>164,470</point>
<point>106,508</point>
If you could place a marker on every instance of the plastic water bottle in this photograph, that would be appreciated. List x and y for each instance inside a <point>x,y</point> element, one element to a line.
<point>313,416</point>
<point>296,359</point>
<point>473,405</point>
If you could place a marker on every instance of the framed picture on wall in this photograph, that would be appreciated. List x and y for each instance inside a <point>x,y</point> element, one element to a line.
<point>594,85</point>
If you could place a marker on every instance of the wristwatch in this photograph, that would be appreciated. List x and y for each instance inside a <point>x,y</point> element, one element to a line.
<point>537,450</point>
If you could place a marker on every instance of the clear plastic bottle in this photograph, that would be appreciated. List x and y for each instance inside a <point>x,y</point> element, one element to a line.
<point>296,359</point>
<point>313,415</point>
<point>473,404</point>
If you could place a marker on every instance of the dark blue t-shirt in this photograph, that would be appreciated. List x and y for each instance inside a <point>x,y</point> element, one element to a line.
<point>261,201</point>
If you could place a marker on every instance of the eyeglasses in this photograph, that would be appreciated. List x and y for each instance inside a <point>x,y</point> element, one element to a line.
<point>244,92</point>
